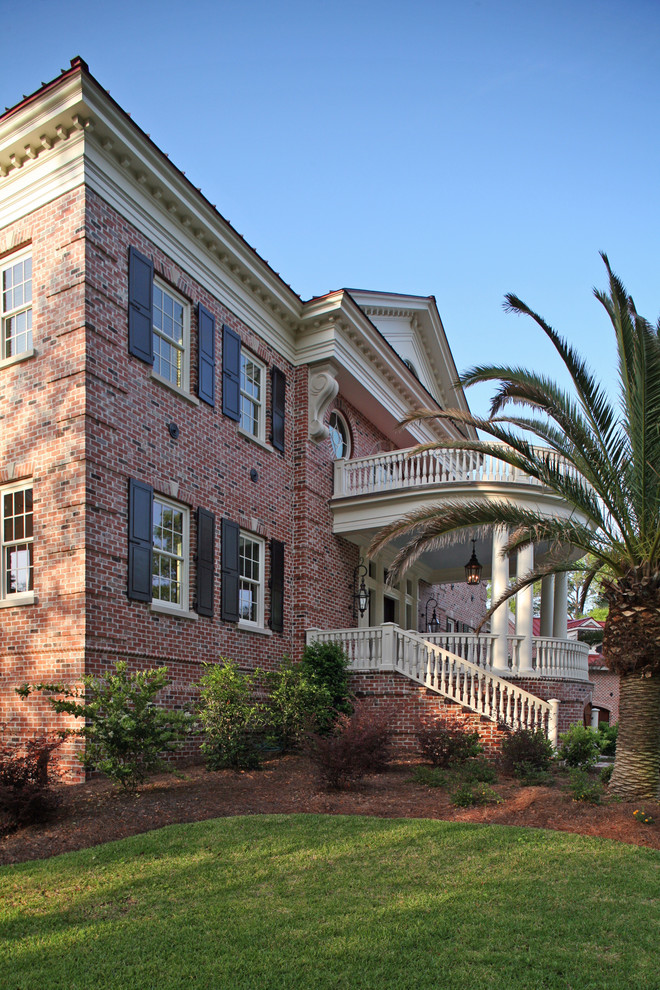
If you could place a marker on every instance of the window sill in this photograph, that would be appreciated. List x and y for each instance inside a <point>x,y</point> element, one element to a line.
<point>249,627</point>
<point>175,613</point>
<point>27,598</point>
<point>15,358</point>
<point>257,440</point>
<point>188,396</point>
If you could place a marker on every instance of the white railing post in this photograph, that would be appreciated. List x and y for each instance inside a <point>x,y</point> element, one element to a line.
<point>388,646</point>
<point>340,473</point>
<point>553,722</point>
<point>595,712</point>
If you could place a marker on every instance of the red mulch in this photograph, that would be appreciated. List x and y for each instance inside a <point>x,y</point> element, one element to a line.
<point>96,812</point>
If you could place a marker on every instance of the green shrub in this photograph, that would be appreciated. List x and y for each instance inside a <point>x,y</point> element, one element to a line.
<point>469,795</point>
<point>606,774</point>
<point>607,735</point>
<point>531,776</point>
<point>477,771</point>
<point>232,721</point>
<point>430,777</point>
<point>442,742</point>
<point>327,665</point>
<point>583,787</point>
<point>296,704</point>
<point>357,745</point>
<point>524,750</point>
<point>126,733</point>
<point>579,747</point>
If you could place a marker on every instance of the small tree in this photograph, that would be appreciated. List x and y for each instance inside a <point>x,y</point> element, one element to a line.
<point>231,719</point>
<point>297,704</point>
<point>126,733</point>
<point>327,665</point>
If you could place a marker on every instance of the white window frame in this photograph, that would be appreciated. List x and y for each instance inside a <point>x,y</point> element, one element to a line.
<point>184,385</point>
<point>245,396</point>
<point>14,311</point>
<point>159,604</point>
<point>16,597</point>
<point>343,423</point>
<point>259,583</point>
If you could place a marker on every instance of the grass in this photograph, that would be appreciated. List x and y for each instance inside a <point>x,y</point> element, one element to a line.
<point>316,901</point>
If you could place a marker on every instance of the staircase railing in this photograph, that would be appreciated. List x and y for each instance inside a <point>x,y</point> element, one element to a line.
<point>387,647</point>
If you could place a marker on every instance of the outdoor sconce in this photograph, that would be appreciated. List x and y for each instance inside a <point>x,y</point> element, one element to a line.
<point>432,624</point>
<point>473,568</point>
<point>360,593</point>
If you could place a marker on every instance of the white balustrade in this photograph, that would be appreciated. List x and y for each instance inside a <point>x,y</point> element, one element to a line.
<point>400,469</point>
<point>470,685</point>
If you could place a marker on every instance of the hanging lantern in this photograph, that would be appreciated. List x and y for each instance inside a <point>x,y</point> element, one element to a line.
<point>473,568</point>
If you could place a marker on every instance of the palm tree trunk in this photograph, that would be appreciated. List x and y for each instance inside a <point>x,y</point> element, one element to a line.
<point>637,762</point>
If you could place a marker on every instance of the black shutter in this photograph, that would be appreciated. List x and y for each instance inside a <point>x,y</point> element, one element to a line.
<point>231,373</point>
<point>205,561</point>
<point>276,586</point>
<point>230,534</point>
<point>140,306</point>
<point>278,386</point>
<point>206,366</point>
<point>140,537</point>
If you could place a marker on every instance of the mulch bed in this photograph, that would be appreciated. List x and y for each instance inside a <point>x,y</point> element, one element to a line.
<point>96,812</point>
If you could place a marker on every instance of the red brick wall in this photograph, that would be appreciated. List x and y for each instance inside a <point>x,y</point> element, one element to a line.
<point>42,436</point>
<point>606,692</point>
<point>457,601</point>
<point>408,704</point>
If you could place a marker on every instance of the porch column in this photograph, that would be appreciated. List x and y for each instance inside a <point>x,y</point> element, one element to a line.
<point>560,618</point>
<point>499,623</point>
<point>525,610</point>
<point>547,604</point>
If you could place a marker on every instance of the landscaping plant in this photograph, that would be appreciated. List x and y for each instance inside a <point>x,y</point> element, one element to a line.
<point>326,664</point>
<point>232,720</point>
<point>127,735</point>
<point>579,747</point>
<point>26,772</point>
<point>442,742</point>
<point>583,787</point>
<point>297,704</point>
<point>525,751</point>
<point>357,745</point>
<point>607,735</point>
<point>468,795</point>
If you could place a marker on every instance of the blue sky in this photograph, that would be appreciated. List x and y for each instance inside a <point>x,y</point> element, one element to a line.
<point>460,149</point>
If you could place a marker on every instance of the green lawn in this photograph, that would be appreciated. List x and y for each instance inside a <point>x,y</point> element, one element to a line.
<point>343,902</point>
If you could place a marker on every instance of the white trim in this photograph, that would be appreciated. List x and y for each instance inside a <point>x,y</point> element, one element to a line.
<point>250,627</point>
<point>7,262</point>
<point>15,358</point>
<point>260,435</point>
<point>18,597</point>
<point>163,608</point>
<point>157,604</point>
<point>24,598</point>
<point>184,347</point>
<point>259,583</point>
<point>260,443</point>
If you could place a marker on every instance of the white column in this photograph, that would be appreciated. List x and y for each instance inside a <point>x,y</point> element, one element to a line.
<point>560,617</point>
<point>595,712</point>
<point>525,609</point>
<point>499,623</point>
<point>547,604</point>
<point>553,721</point>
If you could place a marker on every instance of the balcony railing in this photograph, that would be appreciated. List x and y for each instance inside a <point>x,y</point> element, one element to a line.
<point>400,469</point>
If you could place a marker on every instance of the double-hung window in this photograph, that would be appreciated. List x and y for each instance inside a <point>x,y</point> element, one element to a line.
<point>16,543</point>
<point>170,336</point>
<point>252,396</point>
<point>16,307</point>
<point>251,554</point>
<point>170,554</point>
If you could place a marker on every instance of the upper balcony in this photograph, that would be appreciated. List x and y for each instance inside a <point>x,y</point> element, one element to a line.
<point>371,492</point>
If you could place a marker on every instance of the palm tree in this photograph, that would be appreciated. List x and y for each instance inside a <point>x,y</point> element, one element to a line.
<point>605,462</point>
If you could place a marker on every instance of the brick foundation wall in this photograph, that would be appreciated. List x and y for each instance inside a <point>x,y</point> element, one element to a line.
<point>408,704</point>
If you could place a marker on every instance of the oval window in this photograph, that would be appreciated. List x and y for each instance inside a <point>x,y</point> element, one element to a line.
<point>339,435</point>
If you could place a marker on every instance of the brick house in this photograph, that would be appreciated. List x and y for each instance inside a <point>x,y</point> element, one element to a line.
<point>193,460</point>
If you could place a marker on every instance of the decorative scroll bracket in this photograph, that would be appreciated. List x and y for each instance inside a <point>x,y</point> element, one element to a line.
<point>323,387</point>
